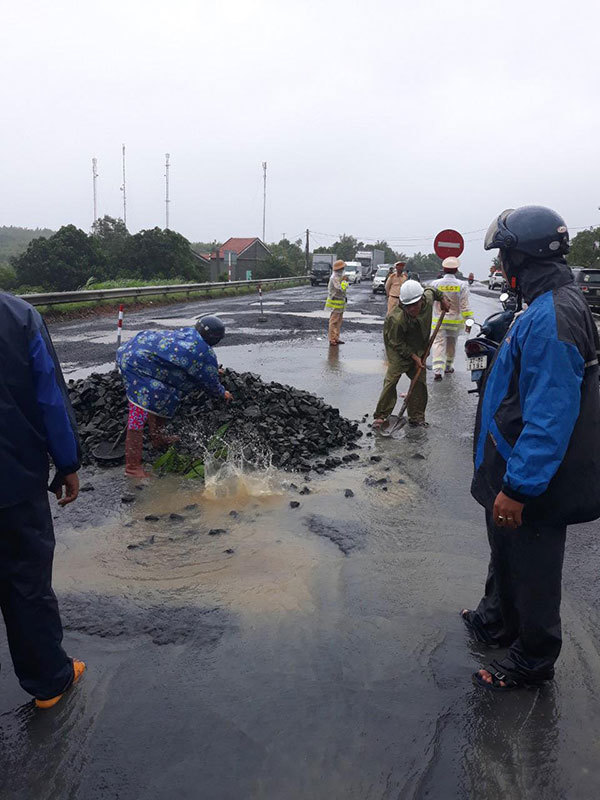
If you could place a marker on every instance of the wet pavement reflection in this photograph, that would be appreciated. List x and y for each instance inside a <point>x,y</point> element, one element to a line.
<point>239,647</point>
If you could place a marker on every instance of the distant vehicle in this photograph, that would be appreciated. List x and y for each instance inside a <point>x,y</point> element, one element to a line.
<point>496,280</point>
<point>353,272</point>
<point>321,268</point>
<point>380,278</point>
<point>588,280</point>
<point>369,261</point>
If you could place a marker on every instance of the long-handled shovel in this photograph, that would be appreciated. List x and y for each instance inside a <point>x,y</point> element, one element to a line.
<point>401,420</point>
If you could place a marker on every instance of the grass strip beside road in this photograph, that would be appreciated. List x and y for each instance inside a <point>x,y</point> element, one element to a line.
<point>91,308</point>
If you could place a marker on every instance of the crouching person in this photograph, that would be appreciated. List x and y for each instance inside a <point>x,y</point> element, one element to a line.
<point>159,368</point>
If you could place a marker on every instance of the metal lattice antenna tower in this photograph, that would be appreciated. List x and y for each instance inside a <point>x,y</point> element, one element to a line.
<point>167,201</point>
<point>94,181</point>
<point>124,190</point>
<point>264,166</point>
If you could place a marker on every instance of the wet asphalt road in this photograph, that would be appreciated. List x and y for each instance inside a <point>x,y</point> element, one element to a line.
<point>300,653</point>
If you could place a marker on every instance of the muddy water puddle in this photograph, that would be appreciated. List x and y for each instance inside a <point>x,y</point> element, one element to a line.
<point>249,542</point>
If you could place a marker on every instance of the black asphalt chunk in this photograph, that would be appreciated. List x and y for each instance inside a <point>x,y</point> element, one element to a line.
<point>151,518</point>
<point>294,504</point>
<point>348,493</point>
<point>288,427</point>
<point>216,531</point>
<point>176,517</point>
<point>128,498</point>
<point>139,545</point>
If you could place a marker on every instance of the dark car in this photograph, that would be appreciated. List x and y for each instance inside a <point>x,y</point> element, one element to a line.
<point>588,281</point>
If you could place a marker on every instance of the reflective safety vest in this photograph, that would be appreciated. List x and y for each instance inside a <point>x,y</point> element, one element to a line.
<point>457,292</point>
<point>336,292</point>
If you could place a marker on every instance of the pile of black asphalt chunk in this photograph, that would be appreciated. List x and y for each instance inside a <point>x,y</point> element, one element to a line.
<point>295,428</point>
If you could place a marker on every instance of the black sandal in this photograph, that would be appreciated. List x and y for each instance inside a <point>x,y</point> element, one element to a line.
<point>499,677</point>
<point>465,615</point>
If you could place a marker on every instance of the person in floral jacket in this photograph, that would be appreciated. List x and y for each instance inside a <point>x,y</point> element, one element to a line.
<point>159,368</point>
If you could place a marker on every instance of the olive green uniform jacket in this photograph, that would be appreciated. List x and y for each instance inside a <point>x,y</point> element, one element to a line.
<point>404,335</point>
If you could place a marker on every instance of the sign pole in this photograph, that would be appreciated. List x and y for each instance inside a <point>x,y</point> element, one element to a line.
<point>120,325</point>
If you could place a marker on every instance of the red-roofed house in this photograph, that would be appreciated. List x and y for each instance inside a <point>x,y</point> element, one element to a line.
<point>246,255</point>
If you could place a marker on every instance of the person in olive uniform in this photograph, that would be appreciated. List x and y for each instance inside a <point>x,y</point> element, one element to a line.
<point>406,333</point>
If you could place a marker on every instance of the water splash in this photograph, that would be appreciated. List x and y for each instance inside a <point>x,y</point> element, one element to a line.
<point>247,471</point>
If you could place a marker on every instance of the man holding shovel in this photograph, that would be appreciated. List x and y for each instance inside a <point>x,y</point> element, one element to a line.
<point>406,335</point>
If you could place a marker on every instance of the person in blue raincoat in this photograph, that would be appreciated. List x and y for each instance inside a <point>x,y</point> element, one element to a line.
<point>159,368</point>
<point>536,449</point>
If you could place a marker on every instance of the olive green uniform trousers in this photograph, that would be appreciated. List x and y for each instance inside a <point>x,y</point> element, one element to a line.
<point>417,402</point>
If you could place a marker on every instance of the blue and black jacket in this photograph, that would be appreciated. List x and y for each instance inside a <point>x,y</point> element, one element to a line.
<point>537,435</point>
<point>36,418</point>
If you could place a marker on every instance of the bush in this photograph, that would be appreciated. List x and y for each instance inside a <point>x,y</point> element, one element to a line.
<point>8,279</point>
<point>62,263</point>
<point>160,253</point>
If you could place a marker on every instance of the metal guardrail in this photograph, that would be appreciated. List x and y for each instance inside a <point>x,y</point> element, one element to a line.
<point>86,295</point>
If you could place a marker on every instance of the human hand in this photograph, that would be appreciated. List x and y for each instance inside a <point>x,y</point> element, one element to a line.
<point>445,304</point>
<point>417,360</point>
<point>507,513</point>
<point>228,397</point>
<point>71,484</point>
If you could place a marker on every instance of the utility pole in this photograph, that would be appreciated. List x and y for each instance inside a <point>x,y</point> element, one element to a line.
<point>307,251</point>
<point>264,165</point>
<point>124,190</point>
<point>94,180</point>
<point>167,201</point>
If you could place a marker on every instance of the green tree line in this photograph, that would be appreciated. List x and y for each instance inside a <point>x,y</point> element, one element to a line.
<point>70,258</point>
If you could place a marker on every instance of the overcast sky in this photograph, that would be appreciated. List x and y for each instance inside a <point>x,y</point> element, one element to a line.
<point>388,119</point>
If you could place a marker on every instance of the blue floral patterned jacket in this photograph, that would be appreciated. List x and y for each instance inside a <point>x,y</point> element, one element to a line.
<point>160,367</point>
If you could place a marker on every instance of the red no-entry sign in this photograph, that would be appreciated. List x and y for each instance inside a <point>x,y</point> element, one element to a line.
<point>448,243</point>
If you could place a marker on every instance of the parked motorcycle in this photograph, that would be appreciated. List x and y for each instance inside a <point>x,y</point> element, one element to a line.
<point>480,351</point>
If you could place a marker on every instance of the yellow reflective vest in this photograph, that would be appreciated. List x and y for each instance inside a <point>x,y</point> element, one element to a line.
<point>457,293</point>
<point>336,292</point>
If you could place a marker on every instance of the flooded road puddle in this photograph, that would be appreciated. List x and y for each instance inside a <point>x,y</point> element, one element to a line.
<point>248,648</point>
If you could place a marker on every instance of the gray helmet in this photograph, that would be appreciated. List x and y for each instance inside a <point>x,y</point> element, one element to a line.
<point>211,329</point>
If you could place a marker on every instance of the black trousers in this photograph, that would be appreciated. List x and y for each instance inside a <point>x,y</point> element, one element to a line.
<point>28,604</point>
<point>521,605</point>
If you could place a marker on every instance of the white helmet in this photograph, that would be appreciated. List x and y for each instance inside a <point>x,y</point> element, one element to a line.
<point>451,263</point>
<point>411,292</point>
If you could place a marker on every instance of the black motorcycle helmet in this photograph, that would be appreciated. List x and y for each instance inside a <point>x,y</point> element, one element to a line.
<point>211,329</point>
<point>527,232</point>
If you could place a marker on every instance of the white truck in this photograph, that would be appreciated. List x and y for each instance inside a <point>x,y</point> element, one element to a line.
<point>369,260</point>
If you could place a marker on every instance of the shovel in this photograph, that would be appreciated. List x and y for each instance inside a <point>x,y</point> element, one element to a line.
<point>401,420</point>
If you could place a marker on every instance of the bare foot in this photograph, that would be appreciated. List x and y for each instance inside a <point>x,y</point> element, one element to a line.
<point>488,678</point>
<point>138,472</point>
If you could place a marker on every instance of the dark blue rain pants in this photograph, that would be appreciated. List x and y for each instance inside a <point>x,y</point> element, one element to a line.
<point>520,609</point>
<point>28,604</point>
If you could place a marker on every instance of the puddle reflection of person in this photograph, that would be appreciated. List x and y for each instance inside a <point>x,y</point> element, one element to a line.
<point>333,359</point>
